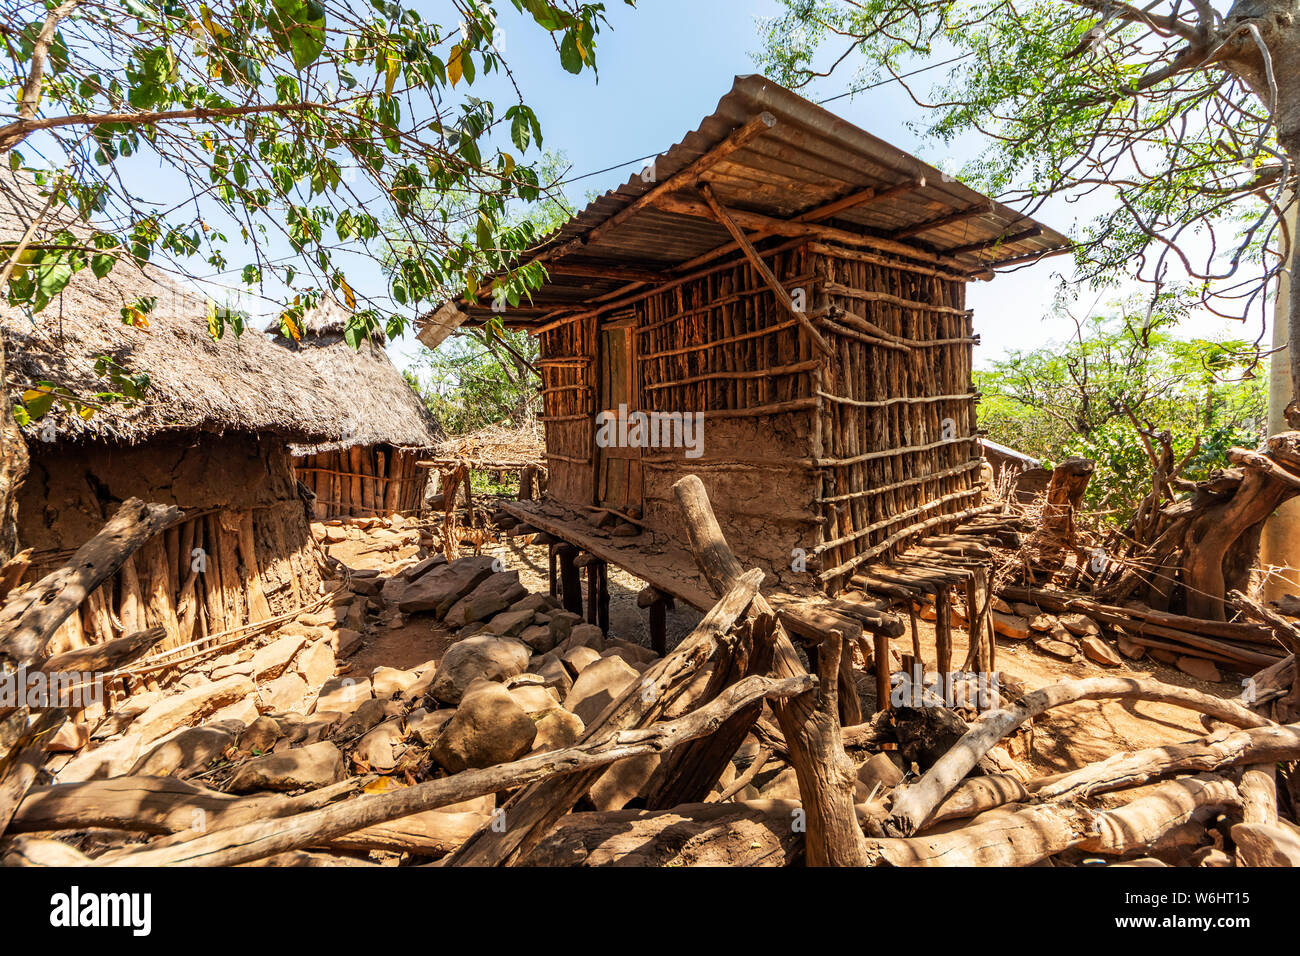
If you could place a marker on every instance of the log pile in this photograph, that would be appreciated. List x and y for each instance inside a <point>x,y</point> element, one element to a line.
<point>538,739</point>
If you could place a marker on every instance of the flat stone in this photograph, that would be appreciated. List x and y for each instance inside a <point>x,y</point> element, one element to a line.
<point>370,713</point>
<point>488,728</point>
<point>509,623</point>
<point>539,637</point>
<point>171,712</point>
<point>580,658</point>
<point>244,711</point>
<point>557,728</point>
<point>1011,626</point>
<point>583,635</point>
<point>187,752</point>
<point>260,736</point>
<point>878,770</point>
<point>535,602</point>
<point>270,661</point>
<point>623,782</point>
<point>418,570</point>
<point>1079,624</point>
<point>306,768</point>
<point>1134,652</point>
<point>1098,651</point>
<point>1066,652</point>
<point>426,725</point>
<point>381,747</point>
<point>597,686</point>
<point>287,692</point>
<point>493,595</point>
<point>554,674</point>
<point>316,663</point>
<point>387,681</point>
<point>1199,668</point>
<point>343,694</point>
<point>446,584</point>
<point>534,698</point>
<point>482,656</point>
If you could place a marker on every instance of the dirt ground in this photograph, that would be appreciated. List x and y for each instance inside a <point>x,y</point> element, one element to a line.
<point>1064,739</point>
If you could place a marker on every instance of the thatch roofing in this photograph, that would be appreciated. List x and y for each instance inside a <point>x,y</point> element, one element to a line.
<point>368,394</point>
<point>807,160</point>
<point>524,443</point>
<point>244,384</point>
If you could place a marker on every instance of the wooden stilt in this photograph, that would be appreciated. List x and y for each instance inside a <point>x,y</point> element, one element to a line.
<point>570,583</point>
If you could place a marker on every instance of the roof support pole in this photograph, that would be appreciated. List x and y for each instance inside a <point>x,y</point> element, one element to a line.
<point>764,272</point>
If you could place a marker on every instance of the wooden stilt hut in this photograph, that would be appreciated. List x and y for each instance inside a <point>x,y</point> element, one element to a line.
<point>796,286</point>
<point>380,426</point>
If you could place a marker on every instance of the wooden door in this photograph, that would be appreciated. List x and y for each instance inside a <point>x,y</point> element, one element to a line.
<point>618,483</point>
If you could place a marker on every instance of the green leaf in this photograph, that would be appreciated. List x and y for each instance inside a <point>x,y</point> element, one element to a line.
<point>298,28</point>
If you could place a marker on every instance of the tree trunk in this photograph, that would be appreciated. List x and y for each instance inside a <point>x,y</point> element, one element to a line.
<point>13,465</point>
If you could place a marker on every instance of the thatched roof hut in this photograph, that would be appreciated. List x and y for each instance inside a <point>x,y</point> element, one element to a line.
<point>369,465</point>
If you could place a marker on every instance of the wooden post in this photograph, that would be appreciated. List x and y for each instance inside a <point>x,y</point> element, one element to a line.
<point>550,561</point>
<point>881,654</point>
<point>810,722</point>
<point>570,583</point>
<point>602,599</point>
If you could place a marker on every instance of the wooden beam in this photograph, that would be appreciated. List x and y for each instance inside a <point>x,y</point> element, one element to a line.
<point>1005,239</point>
<point>764,272</point>
<point>978,209</point>
<point>863,198</point>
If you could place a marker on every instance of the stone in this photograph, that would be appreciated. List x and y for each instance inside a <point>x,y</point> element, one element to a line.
<point>495,594</point>
<point>113,759</point>
<point>270,661</point>
<point>481,656</point>
<point>634,654</point>
<point>171,712</point>
<point>557,728</point>
<point>784,786</point>
<point>880,771</point>
<point>287,692</point>
<point>69,738</point>
<point>306,768</point>
<point>535,602</point>
<point>579,659</point>
<point>243,711</point>
<point>260,736</point>
<point>1011,626</point>
<point>1099,652</point>
<point>316,663</point>
<point>343,694</point>
<point>426,725</point>
<point>1134,652</point>
<point>562,624</point>
<point>1000,605</point>
<point>553,673</point>
<point>423,681</point>
<point>509,623</point>
<point>583,635</point>
<point>187,752</point>
<point>1162,655</point>
<point>597,686</point>
<point>1041,622</point>
<point>443,586</point>
<point>539,637</point>
<point>1079,624</point>
<point>1265,844</point>
<point>488,728</point>
<point>1030,611</point>
<point>1199,668</point>
<point>421,568</point>
<point>623,781</point>
<point>345,642</point>
<point>368,714</point>
<point>387,681</point>
<point>1060,649</point>
<point>381,747</point>
<point>534,698</point>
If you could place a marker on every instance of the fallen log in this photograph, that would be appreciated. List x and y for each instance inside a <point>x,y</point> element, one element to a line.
<point>809,723</point>
<point>1033,834</point>
<point>254,841</point>
<point>913,806</point>
<point>745,833</point>
<point>1217,751</point>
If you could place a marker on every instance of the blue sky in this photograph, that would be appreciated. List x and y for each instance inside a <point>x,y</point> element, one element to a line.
<point>663,67</point>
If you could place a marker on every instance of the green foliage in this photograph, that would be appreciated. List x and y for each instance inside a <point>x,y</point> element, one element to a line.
<point>1084,100</point>
<point>310,120</point>
<point>1074,399</point>
<point>471,382</point>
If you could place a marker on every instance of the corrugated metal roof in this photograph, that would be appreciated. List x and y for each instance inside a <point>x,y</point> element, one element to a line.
<point>810,157</point>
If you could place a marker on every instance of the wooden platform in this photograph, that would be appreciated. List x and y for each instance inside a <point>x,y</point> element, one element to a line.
<point>671,569</point>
